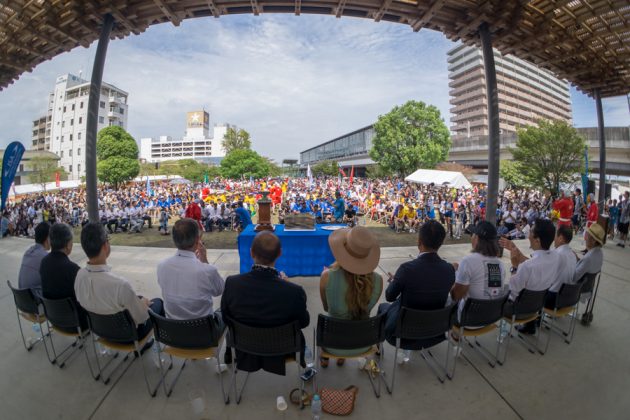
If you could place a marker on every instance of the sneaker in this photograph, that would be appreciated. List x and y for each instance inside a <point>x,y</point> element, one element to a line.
<point>221,368</point>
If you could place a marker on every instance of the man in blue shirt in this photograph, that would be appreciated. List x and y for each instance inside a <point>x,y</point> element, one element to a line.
<point>340,207</point>
<point>243,215</point>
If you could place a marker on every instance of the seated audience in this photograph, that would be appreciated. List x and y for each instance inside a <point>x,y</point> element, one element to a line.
<point>423,283</point>
<point>244,217</point>
<point>480,275</point>
<point>102,292</point>
<point>594,258</point>
<point>350,288</point>
<point>29,277</point>
<point>263,297</point>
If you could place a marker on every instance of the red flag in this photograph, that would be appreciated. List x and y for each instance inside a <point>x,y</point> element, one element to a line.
<point>342,172</point>
<point>351,174</point>
<point>57,180</point>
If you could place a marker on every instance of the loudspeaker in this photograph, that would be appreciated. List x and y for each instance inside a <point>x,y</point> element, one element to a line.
<point>608,190</point>
<point>591,188</point>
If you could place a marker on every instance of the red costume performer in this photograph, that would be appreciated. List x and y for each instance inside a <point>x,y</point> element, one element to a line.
<point>564,206</point>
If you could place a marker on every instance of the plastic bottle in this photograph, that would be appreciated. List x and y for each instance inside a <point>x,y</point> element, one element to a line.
<point>156,355</point>
<point>36,327</point>
<point>308,357</point>
<point>504,330</point>
<point>316,407</point>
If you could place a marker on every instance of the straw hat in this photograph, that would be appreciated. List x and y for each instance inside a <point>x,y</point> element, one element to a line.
<point>597,232</point>
<point>356,250</point>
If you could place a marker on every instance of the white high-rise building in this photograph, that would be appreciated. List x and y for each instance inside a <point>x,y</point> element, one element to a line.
<point>66,120</point>
<point>197,143</point>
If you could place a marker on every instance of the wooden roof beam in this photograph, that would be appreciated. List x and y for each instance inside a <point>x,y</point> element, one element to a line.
<point>382,10</point>
<point>339,9</point>
<point>427,15</point>
<point>298,7</point>
<point>119,18</point>
<point>213,8</point>
<point>255,7</point>
<point>172,16</point>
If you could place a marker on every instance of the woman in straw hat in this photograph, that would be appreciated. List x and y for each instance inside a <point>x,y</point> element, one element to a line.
<point>594,258</point>
<point>350,288</point>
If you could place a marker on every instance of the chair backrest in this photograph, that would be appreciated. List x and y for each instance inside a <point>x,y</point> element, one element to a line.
<point>199,333</point>
<point>61,313</point>
<point>414,324</point>
<point>588,282</point>
<point>529,301</point>
<point>115,327</point>
<point>264,341</point>
<point>25,300</point>
<point>568,295</point>
<point>350,334</point>
<point>480,312</point>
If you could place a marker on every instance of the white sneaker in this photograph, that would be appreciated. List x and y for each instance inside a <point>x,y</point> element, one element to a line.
<point>222,368</point>
<point>361,362</point>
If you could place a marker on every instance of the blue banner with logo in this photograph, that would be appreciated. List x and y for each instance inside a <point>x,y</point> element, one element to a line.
<point>10,163</point>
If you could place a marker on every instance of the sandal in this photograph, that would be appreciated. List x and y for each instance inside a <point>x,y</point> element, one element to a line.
<point>295,398</point>
<point>323,362</point>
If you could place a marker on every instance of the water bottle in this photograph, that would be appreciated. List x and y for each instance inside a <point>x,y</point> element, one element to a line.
<point>157,355</point>
<point>37,328</point>
<point>504,330</point>
<point>308,357</point>
<point>316,407</point>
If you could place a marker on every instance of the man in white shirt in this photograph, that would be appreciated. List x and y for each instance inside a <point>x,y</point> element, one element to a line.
<point>538,273</point>
<point>187,280</point>
<point>102,292</point>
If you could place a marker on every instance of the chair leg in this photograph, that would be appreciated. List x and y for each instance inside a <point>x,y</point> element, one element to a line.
<point>138,355</point>
<point>390,388</point>
<point>226,398</point>
<point>163,373</point>
<point>77,344</point>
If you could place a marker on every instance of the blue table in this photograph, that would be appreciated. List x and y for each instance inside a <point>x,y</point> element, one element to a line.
<point>303,253</point>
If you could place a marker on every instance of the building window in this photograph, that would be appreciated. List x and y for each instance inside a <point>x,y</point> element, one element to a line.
<point>102,104</point>
<point>101,120</point>
<point>21,167</point>
<point>80,120</point>
<point>71,121</point>
<point>81,105</point>
<point>63,124</point>
<point>73,107</point>
<point>70,137</point>
<point>61,139</point>
<point>79,167</point>
<point>70,153</point>
<point>121,111</point>
<point>70,168</point>
<point>79,135</point>
<point>64,108</point>
<point>61,154</point>
<point>79,153</point>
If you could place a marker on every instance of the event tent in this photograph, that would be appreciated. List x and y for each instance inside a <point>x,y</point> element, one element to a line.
<point>450,178</point>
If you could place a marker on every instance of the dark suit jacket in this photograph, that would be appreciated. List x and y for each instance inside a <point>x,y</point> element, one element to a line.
<point>58,274</point>
<point>261,299</point>
<point>423,283</point>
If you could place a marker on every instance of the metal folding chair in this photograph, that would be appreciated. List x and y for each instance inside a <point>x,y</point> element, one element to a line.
<point>27,307</point>
<point>567,303</point>
<point>590,284</point>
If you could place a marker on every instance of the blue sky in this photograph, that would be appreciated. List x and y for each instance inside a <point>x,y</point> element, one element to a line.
<point>292,82</point>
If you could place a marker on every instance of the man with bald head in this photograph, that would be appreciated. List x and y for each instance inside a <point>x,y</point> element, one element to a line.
<point>263,297</point>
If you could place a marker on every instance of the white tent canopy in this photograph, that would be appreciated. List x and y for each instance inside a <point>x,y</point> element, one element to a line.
<point>450,178</point>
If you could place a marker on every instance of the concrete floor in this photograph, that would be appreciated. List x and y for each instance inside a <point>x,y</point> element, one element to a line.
<point>587,379</point>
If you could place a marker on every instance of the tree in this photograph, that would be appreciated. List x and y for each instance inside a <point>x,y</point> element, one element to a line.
<point>234,140</point>
<point>326,168</point>
<point>44,169</point>
<point>455,167</point>
<point>377,172</point>
<point>550,154</point>
<point>117,156</point>
<point>244,163</point>
<point>512,174</point>
<point>409,137</point>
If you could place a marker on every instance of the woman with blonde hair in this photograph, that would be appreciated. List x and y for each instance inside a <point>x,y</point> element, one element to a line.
<point>350,288</point>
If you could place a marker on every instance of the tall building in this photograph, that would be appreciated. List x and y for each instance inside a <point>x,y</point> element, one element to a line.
<point>65,123</point>
<point>196,144</point>
<point>526,93</point>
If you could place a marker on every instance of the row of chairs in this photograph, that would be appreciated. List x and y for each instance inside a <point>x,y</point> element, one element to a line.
<point>200,338</point>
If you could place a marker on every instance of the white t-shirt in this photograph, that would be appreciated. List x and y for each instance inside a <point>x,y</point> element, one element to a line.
<point>485,276</point>
<point>566,270</point>
<point>537,273</point>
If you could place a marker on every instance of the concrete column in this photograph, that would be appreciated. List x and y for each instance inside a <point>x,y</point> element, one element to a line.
<point>602,150</point>
<point>92,118</point>
<point>494,143</point>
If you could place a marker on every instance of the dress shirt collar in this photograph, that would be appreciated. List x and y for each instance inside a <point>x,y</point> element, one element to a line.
<point>540,253</point>
<point>265,270</point>
<point>98,268</point>
<point>187,254</point>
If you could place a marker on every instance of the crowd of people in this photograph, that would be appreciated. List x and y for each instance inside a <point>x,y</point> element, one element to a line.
<point>225,204</point>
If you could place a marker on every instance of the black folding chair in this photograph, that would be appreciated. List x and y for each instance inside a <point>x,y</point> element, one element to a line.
<point>265,342</point>
<point>192,339</point>
<point>414,324</point>
<point>590,284</point>
<point>345,334</point>
<point>63,315</point>
<point>118,332</point>
<point>27,307</point>
<point>567,303</point>
<point>526,308</point>
<point>479,317</point>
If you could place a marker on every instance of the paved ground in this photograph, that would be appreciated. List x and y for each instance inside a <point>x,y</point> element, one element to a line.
<point>588,379</point>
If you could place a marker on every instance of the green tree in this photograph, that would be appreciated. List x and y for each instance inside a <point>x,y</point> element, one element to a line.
<point>117,156</point>
<point>234,140</point>
<point>44,169</point>
<point>244,163</point>
<point>326,168</point>
<point>512,174</point>
<point>409,137</point>
<point>549,154</point>
<point>376,172</point>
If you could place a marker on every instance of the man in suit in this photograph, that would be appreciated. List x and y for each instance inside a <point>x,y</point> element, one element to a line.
<point>263,298</point>
<point>423,283</point>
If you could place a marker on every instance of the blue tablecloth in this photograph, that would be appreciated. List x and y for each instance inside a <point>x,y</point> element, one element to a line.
<point>303,253</point>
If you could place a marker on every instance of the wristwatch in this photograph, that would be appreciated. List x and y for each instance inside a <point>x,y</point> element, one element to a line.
<point>513,270</point>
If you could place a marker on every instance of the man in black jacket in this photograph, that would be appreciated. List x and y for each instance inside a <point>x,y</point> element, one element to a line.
<point>263,298</point>
<point>423,283</point>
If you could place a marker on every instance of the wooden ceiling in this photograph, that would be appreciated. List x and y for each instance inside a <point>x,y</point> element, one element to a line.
<point>584,41</point>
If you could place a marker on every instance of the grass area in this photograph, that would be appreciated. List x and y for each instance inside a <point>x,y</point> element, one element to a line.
<point>228,239</point>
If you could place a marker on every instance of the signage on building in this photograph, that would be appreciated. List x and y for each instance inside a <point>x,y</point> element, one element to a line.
<point>197,119</point>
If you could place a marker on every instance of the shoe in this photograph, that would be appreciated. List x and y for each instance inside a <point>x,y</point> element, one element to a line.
<point>526,330</point>
<point>221,368</point>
